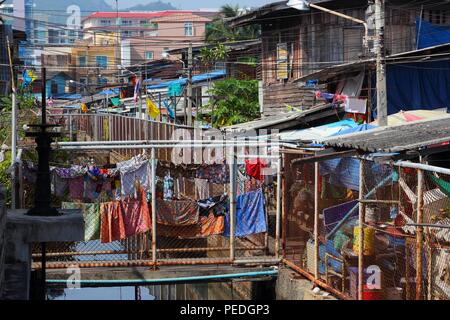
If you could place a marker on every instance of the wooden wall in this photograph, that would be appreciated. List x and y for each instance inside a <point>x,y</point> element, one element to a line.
<point>319,40</point>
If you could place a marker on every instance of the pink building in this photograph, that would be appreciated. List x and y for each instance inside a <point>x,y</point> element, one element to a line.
<point>146,35</point>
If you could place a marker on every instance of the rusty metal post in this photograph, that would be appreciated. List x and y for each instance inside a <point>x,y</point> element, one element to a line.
<point>233,167</point>
<point>316,220</point>
<point>429,267</point>
<point>153,204</point>
<point>283,213</point>
<point>279,200</point>
<point>361,219</point>
<point>419,234</point>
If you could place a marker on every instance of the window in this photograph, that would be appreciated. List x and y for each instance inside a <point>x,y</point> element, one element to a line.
<point>102,61</point>
<point>82,61</point>
<point>127,33</point>
<point>127,22</point>
<point>188,29</point>
<point>143,22</point>
<point>105,22</point>
<point>149,55</point>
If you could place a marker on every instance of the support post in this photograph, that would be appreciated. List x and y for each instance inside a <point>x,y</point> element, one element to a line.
<point>189,86</point>
<point>419,234</point>
<point>381,63</point>
<point>279,200</point>
<point>361,218</point>
<point>13,131</point>
<point>153,204</point>
<point>316,220</point>
<point>233,167</point>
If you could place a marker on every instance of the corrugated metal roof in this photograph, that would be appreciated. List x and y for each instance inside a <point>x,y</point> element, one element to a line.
<point>411,136</point>
<point>195,79</point>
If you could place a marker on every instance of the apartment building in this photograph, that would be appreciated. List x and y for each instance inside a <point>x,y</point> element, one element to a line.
<point>150,33</point>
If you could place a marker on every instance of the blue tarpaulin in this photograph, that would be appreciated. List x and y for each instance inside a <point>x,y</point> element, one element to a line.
<point>416,86</point>
<point>359,128</point>
<point>197,78</point>
<point>430,35</point>
<point>250,216</point>
<point>344,171</point>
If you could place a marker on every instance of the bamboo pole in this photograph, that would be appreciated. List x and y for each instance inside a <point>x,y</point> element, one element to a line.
<point>419,234</point>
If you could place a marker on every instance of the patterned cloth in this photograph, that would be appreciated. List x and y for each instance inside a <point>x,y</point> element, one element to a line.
<point>76,188</point>
<point>216,173</point>
<point>91,215</point>
<point>176,212</point>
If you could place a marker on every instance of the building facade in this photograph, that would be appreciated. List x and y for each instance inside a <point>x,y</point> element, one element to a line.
<point>296,43</point>
<point>96,61</point>
<point>150,33</point>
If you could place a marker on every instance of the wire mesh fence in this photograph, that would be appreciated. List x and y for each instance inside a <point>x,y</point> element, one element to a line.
<point>185,220</point>
<point>403,214</point>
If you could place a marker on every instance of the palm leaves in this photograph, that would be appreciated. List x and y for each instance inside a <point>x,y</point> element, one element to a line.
<point>219,31</point>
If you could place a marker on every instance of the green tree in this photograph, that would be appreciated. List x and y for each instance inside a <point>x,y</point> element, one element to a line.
<point>209,56</point>
<point>237,102</point>
<point>219,31</point>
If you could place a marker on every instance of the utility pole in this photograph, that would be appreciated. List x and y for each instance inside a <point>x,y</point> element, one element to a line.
<point>13,128</point>
<point>189,87</point>
<point>381,63</point>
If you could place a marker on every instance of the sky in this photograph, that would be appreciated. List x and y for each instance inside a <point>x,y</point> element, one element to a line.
<point>196,4</point>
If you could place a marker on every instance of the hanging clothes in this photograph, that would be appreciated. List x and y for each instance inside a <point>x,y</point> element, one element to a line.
<point>218,205</point>
<point>76,188</point>
<point>250,215</point>
<point>207,226</point>
<point>136,214</point>
<point>254,168</point>
<point>132,174</point>
<point>112,224</point>
<point>216,173</point>
<point>177,212</point>
<point>91,216</point>
<point>60,186</point>
<point>201,188</point>
<point>168,187</point>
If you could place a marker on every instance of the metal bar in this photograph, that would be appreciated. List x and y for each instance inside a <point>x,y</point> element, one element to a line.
<point>151,142</point>
<point>316,220</point>
<point>233,167</point>
<point>431,225</point>
<point>419,234</point>
<point>153,204</point>
<point>361,219</point>
<point>425,167</point>
<point>279,201</point>
<point>283,212</point>
<point>365,201</point>
<point>173,250</point>
<point>318,282</point>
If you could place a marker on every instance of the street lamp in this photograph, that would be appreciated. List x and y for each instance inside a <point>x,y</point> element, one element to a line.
<point>303,5</point>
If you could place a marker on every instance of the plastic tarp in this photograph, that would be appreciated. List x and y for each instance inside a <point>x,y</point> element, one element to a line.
<point>317,133</point>
<point>417,86</point>
<point>430,35</point>
<point>344,171</point>
<point>197,78</point>
<point>250,216</point>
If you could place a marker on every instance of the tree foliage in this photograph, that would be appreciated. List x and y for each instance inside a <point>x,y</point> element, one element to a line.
<point>237,102</point>
<point>219,31</point>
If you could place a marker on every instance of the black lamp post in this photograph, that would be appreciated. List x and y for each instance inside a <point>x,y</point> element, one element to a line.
<point>43,138</point>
